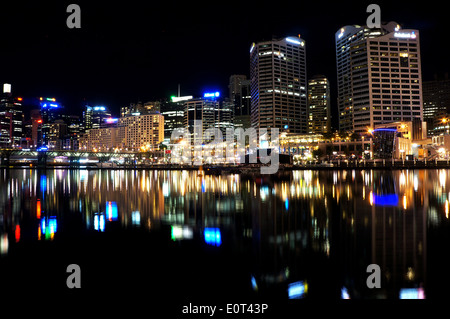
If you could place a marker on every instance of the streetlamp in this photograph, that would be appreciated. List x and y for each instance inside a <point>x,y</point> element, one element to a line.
<point>445,121</point>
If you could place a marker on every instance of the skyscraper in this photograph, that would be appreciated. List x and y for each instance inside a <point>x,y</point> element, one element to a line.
<point>278,85</point>
<point>436,105</point>
<point>173,112</point>
<point>239,94</point>
<point>319,119</point>
<point>379,76</point>
<point>212,112</point>
<point>94,117</point>
<point>11,119</point>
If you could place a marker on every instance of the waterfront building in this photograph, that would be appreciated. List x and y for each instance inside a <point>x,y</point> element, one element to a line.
<point>95,116</point>
<point>319,109</point>
<point>141,132</point>
<point>212,112</point>
<point>173,112</point>
<point>11,119</point>
<point>436,105</point>
<point>399,140</point>
<point>278,85</point>
<point>379,76</point>
<point>239,94</point>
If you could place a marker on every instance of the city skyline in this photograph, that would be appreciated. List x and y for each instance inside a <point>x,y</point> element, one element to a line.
<point>121,73</point>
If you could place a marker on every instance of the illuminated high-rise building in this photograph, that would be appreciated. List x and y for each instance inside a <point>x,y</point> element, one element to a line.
<point>379,76</point>
<point>173,112</point>
<point>50,112</point>
<point>11,119</point>
<point>135,108</point>
<point>319,117</point>
<point>436,105</point>
<point>95,116</point>
<point>138,132</point>
<point>239,94</point>
<point>212,112</point>
<point>278,85</point>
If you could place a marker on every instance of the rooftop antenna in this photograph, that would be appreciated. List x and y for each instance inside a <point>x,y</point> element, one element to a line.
<point>178,90</point>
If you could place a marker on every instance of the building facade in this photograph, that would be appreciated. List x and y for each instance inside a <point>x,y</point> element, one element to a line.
<point>141,132</point>
<point>239,94</point>
<point>436,105</point>
<point>95,116</point>
<point>212,113</point>
<point>278,85</point>
<point>131,133</point>
<point>11,119</point>
<point>379,76</point>
<point>319,112</point>
<point>100,139</point>
<point>173,112</point>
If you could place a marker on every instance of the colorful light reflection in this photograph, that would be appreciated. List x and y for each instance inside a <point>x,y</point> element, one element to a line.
<point>213,236</point>
<point>111,211</point>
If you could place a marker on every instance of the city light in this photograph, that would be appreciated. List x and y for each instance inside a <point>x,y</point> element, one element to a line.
<point>181,98</point>
<point>213,236</point>
<point>297,290</point>
<point>111,120</point>
<point>293,40</point>
<point>385,200</point>
<point>405,35</point>
<point>111,211</point>
<point>412,293</point>
<point>6,88</point>
<point>252,47</point>
<point>99,108</point>
<point>211,94</point>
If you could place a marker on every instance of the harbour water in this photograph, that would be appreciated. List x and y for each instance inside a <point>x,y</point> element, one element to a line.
<point>303,234</point>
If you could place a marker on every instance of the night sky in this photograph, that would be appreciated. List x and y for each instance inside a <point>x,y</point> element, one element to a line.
<point>130,51</point>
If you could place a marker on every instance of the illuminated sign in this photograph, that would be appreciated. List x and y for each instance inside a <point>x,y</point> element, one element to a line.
<point>213,236</point>
<point>111,120</point>
<point>405,35</point>
<point>295,41</point>
<point>6,88</point>
<point>252,47</point>
<point>212,94</point>
<point>385,130</point>
<point>99,108</point>
<point>342,33</point>
<point>181,98</point>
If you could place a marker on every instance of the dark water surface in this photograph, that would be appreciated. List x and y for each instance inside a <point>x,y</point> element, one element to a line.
<point>175,234</point>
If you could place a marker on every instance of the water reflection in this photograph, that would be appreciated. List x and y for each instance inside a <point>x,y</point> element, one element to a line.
<point>295,227</point>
